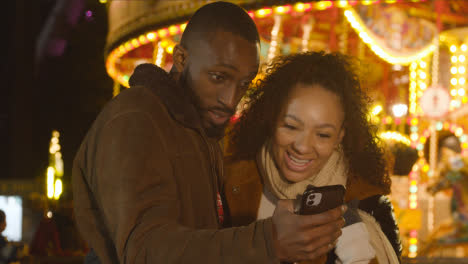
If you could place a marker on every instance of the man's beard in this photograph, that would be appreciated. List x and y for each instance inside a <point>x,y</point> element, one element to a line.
<point>212,131</point>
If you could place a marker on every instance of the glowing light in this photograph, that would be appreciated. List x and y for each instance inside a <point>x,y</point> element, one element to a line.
<point>170,49</point>
<point>413,205</point>
<point>282,9</point>
<point>399,110</point>
<point>413,248</point>
<point>453,70</point>
<point>423,86</point>
<point>151,36</point>
<point>174,30</point>
<point>413,240</point>
<point>461,81</point>
<point>322,5</point>
<point>49,214</point>
<point>342,3</point>
<point>422,75</point>
<point>414,136</point>
<point>461,69</point>
<point>50,182</point>
<point>423,64</point>
<point>453,48</point>
<point>461,92</point>
<point>459,132</point>
<point>453,81</point>
<point>392,135</point>
<point>454,59</point>
<point>58,189</point>
<point>453,92</point>
<point>461,58</point>
<point>425,168</point>
<point>465,99</point>
<point>463,47</point>
<point>299,7</point>
<point>413,189</point>
<point>163,33</point>
<point>377,109</point>
<point>264,12</point>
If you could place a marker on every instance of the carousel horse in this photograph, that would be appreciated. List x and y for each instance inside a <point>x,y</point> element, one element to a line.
<point>453,175</point>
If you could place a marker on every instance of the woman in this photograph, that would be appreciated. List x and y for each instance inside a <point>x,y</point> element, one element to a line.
<point>306,123</point>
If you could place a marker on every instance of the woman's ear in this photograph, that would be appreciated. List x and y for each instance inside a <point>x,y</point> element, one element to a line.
<point>341,136</point>
<point>179,57</point>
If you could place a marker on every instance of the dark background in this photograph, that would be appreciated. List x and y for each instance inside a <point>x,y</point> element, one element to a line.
<point>62,86</point>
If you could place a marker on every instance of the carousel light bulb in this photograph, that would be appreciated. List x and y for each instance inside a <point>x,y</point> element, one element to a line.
<point>454,59</point>
<point>423,64</point>
<point>462,80</point>
<point>423,86</point>
<point>399,110</point>
<point>463,47</point>
<point>376,110</point>
<point>453,48</point>
<point>151,36</point>
<point>342,3</point>
<point>453,92</point>
<point>461,92</point>
<point>453,70</point>
<point>461,58</point>
<point>299,7</point>
<point>422,75</point>
<point>461,70</point>
<point>453,81</point>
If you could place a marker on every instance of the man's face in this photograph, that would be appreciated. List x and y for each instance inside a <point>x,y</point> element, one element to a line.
<point>219,71</point>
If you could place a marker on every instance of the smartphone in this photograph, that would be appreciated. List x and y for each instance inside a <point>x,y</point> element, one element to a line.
<point>317,200</point>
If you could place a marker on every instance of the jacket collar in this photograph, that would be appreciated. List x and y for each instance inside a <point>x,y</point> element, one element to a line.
<point>177,101</point>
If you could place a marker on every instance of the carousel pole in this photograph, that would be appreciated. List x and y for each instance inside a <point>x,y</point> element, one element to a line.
<point>275,37</point>
<point>433,140</point>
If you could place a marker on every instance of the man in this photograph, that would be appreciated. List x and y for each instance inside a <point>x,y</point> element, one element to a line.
<point>146,179</point>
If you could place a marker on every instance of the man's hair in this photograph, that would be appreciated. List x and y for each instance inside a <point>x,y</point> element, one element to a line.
<point>219,16</point>
<point>2,216</point>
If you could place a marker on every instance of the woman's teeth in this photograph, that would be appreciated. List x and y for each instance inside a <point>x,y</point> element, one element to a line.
<point>298,161</point>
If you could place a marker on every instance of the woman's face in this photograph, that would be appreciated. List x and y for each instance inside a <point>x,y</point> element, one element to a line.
<point>309,128</point>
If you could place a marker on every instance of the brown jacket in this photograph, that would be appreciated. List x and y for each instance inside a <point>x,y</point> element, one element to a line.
<point>145,181</point>
<point>243,189</point>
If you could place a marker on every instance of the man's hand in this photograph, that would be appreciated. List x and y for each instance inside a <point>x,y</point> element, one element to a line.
<point>304,237</point>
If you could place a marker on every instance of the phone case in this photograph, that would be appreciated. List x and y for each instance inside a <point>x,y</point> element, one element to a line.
<point>316,200</point>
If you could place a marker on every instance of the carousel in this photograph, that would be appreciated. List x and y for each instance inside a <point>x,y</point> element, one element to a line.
<point>413,57</point>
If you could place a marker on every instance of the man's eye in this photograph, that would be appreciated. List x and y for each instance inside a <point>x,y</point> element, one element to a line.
<point>216,77</point>
<point>289,126</point>
<point>245,84</point>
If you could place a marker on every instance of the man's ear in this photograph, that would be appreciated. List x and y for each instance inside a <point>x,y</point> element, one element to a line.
<point>179,56</point>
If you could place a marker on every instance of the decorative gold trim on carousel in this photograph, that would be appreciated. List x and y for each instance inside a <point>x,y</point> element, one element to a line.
<point>379,48</point>
<point>167,33</point>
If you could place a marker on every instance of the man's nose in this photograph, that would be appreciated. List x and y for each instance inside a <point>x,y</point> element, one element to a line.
<point>228,97</point>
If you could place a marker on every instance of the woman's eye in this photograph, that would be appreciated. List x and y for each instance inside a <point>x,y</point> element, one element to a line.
<point>323,135</point>
<point>289,126</point>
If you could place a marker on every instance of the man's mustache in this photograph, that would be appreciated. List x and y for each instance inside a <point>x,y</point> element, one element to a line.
<point>226,110</point>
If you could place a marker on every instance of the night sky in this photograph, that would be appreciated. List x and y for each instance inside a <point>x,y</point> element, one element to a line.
<point>64,90</point>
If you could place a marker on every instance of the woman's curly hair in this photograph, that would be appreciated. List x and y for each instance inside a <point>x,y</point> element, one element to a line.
<point>336,73</point>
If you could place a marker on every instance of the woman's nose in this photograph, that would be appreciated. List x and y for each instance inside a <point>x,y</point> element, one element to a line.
<point>304,143</point>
